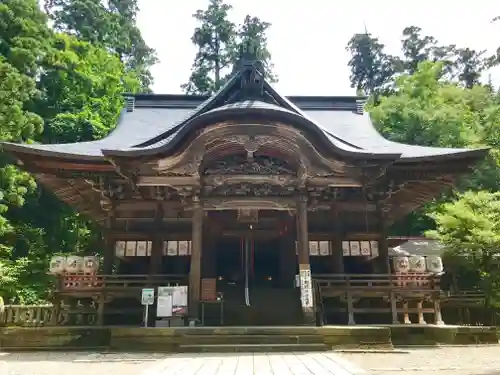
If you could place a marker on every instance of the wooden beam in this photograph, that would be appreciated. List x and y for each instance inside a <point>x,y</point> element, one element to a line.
<point>167,181</point>
<point>334,182</point>
<point>58,165</point>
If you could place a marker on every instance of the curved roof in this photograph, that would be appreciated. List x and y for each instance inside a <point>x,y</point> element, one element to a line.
<point>156,123</point>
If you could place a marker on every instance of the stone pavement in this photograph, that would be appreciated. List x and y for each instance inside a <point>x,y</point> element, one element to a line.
<point>176,364</point>
<point>253,364</point>
<point>480,360</point>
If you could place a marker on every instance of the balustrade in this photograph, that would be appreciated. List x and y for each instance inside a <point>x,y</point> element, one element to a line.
<point>93,282</point>
<point>26,315</point>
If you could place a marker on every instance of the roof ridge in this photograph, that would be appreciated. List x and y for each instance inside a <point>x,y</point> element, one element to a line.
<point>203,107</point>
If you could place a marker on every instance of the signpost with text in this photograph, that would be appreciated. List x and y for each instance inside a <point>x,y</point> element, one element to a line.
<point>147,299</point>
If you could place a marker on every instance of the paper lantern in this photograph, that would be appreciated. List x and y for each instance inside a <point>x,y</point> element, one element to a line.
<point>90,264</point>
<point>74,264</point>
<point>57,265</point>
<point>434,264</point>
<point>417,263</point>
<point>401,264</point>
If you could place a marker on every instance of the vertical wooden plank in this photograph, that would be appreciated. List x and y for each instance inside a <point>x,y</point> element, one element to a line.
<point>383,246</point>
<point>196,250</point>
<point>156,259</point>
<point>438,319</point>
<point>350,309</point>
<point>420,312</point>
<point>337,253</point>
<point>109,244</point>
<point>394,308</point>
<point>100,309</point>
<point>307,293</point>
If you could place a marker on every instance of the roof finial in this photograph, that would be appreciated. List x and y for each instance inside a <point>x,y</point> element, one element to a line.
<point>249,55</point>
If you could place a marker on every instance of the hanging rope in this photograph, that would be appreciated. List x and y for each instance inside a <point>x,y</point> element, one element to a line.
<point>247,263</point>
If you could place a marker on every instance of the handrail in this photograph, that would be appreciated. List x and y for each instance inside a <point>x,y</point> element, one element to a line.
<point>86,282</point>
<point>379,281</point>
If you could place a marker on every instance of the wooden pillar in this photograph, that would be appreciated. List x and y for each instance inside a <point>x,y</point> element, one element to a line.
<point>306,287</point>
<point>156,260</point>
<point>438,319</point>
<point>406,314</point>
<point>107,267</point>
<point>420,312</point>
<point>383,246</point>
<point>108,243</point>
<point>394,308</point>
<point>337,252</point>
<point>350,309</point>
<point>196,250</point>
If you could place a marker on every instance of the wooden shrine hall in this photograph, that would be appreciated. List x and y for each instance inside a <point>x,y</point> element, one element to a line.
<point>277,208</point>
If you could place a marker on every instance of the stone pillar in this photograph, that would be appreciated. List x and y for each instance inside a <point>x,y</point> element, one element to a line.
<point>306,287</point>
<point>196,250</point>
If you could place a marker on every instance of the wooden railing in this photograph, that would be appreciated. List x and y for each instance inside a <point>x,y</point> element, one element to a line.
<point>89,282</point>
<point>378,282</point>
<point>26,315</point>
<point>404,289</point>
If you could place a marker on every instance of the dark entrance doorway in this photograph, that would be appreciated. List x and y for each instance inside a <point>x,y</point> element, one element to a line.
<point>258,259</point>
<point>249,273</point>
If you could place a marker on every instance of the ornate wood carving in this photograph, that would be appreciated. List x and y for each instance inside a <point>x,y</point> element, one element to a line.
<point>251,143</point>
<point>218,180</point>
<point>251,190</point>
<point>248,215</point>
<point>249,203</point>
<point>259,165</point>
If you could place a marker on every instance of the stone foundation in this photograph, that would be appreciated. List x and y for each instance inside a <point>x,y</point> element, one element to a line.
<point>240,339</point>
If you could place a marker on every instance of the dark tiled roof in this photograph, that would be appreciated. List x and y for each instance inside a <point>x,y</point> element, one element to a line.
<point>422,247</point>
<point>157,122</point>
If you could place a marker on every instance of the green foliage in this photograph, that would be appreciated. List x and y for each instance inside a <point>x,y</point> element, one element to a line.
<point>23,43</point>
<point>372,70</point>
<point>219,41</point>
<point>108,24</point>
<point>73,86</point>
<point>470,227</point>
<point>427,111</point>
<point>97,80</point>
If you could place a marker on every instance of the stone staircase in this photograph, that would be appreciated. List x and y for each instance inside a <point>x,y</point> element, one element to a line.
<point>250,339</point>
<point>269,306</point>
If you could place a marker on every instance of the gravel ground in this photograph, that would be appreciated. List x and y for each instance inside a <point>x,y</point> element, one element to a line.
<point>470,360</point>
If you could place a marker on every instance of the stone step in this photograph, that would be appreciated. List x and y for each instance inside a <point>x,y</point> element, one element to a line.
<point>252,348</point>
<point>250,339</point>
<point>248,330</point>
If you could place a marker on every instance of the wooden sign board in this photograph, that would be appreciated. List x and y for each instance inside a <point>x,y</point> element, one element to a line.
<point>209,289</point>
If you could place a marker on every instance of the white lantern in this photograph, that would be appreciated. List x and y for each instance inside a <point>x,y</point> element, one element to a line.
<point>90,264</point>
<point>434,264</point>
<point>57,265</point>
<point>74,264</point>
<point>417,263</point>
<point>401,264</point>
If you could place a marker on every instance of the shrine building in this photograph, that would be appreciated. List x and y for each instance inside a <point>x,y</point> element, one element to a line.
<point>272,210</point>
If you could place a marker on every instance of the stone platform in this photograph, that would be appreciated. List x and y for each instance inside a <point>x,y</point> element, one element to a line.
<point>240,339</point>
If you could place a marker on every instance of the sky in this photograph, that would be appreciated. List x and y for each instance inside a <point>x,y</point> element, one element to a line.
<point>307,39</point>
